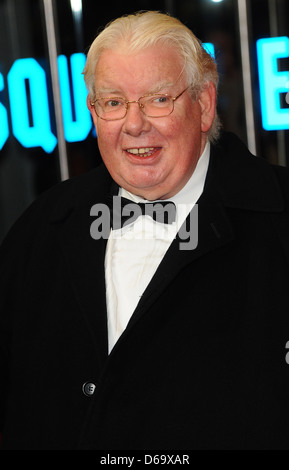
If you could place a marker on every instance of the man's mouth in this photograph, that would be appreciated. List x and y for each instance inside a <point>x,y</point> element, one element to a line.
<point>143,151</point>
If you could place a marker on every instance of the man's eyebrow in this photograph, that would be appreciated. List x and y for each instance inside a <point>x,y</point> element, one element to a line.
<point>160,86</point>
<point>117,92</point>
<point>108,91</point>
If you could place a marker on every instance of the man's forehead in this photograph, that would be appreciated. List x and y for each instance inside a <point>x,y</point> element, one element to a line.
<point>147,65</point>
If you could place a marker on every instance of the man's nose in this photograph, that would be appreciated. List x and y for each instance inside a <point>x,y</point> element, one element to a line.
<point>135,121</point>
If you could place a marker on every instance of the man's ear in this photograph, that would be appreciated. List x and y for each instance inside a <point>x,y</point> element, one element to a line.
<point>92,112</point>
<point>207,101</point>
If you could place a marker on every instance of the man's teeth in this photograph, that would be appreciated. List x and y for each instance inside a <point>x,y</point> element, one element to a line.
<point>144,151</point>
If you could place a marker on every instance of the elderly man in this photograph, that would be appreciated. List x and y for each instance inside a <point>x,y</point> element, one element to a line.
<point>150,335</point>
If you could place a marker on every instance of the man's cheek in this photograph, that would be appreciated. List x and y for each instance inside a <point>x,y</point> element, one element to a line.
<point>169,127</point>
<point>105,140</point>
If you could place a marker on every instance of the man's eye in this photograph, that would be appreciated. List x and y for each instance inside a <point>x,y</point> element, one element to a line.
<point>161,100</point>
<point>112,103</point>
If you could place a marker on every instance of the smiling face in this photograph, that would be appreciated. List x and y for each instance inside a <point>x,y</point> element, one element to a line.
<point>148,156</point>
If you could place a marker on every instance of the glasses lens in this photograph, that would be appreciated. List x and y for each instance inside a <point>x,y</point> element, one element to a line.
<point>157,105</point>
<point>110,108</point>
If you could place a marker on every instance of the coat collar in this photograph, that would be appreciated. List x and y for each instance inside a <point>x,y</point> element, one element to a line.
<point>242,180</point>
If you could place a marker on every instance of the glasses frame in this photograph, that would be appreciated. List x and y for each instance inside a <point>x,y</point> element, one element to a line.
<point>141,106</point>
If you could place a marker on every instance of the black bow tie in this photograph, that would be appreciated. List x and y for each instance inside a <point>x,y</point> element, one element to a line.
<point>124,211</point>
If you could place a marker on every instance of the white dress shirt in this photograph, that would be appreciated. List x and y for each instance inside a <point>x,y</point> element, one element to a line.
<point>134,252</point>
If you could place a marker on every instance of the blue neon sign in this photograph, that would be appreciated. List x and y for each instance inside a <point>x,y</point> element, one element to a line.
<point>272,82</point>
<point>4,129</point>
<point>38,133</point>
<point>78,129</point>
<point>210,48</point>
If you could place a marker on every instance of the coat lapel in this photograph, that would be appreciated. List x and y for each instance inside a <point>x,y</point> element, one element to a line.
<point>214,230</point>
<point>85,260</point>
<point>85,255</point>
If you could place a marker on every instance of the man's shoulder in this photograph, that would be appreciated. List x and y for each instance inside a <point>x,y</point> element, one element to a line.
<point>75,190</point>
<point>94,182</point>
<point>61,199</point>
<point>233,149</point>
<point>282,175</point>
<point>246,180</point>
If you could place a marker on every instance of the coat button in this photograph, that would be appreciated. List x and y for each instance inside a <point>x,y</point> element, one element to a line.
<point>88,388</point>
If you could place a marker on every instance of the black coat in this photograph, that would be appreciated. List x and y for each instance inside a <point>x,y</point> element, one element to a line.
<point>202,363</point>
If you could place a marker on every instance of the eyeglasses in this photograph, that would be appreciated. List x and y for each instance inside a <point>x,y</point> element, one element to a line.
<point>152,105</point>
